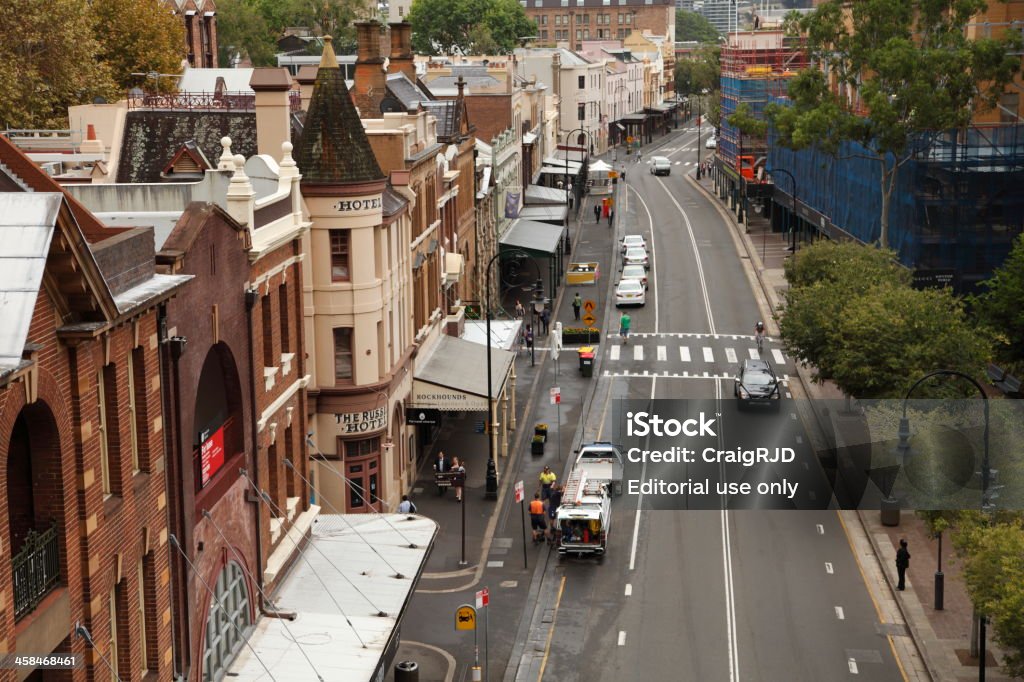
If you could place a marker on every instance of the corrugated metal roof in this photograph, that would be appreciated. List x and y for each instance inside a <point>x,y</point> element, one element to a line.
<point>27,222</point>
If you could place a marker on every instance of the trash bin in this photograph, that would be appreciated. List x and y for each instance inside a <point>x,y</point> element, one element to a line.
<point>407,671</point>
<point>587,361</point>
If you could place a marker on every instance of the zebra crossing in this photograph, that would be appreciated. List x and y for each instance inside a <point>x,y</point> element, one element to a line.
<point>693,356</point>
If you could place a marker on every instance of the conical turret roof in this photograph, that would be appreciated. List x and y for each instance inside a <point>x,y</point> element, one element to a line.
<point>333,148</point>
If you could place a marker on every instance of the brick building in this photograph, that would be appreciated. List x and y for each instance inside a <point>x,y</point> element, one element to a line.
<point>570,22</point>
<point>83,519</point>
<point>200,20</point>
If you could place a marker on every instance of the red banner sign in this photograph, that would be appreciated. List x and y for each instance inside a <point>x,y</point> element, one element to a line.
<point>211,454</point>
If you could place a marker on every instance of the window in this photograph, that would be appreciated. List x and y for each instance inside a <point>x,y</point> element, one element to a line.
<point>579,34</point>
<point>268,333</point>
<point>558,20</point>
<point>112,655</point>
<point>227,621</point>
<point>343,354</point>
<point>1009,102</point>
<point>339,256</point>
<point>582,80</point>
<point>543,35</point>
<point>362,448</point>
<point>282,312</point>
<point>586,19</point>
<point>140,579</point>
<point>134,398</point>
<point>106,398</point>
<point>544,20</point>
<point>581,112</point>
<point>586,34</point>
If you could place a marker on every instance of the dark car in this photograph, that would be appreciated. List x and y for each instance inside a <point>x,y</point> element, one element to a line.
<point>757,386</point>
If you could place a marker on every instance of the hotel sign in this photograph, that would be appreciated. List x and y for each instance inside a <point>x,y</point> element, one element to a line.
<point>351,205</point>
<point>431,396</point>
<point>362,422</point>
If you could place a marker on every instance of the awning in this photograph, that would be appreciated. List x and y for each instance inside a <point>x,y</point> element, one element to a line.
<point>532,236</point>
<point>503,333</point>
<point>454,376</point>
<point>634,118</point>
<point>555,214</point>
<point>362,616</point>
<point>529,138</point>
<point>537,194</point>
<point>574,166</point>
<point>661,108</point>
<point>599,166</point>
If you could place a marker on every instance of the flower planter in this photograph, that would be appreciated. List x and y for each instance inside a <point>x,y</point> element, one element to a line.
<point>574,335</point>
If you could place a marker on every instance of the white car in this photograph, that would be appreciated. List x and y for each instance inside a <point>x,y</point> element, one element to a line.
<point>630,292</point>
<point>636,255</point>
<point>635,272</point>
<point>712,143</point>
<point>633,240</point>
<point>660,165</point>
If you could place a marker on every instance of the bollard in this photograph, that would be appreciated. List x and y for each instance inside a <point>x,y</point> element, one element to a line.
<point>407,671</point>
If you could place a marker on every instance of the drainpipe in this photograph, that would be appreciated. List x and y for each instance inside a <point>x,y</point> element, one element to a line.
<point>252,296</point>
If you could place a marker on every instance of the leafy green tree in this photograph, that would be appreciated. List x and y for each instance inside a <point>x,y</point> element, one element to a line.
<point>139,36</point>
<point>48,61</point>
<point>994,573</point>
<point>455,26</point>
<point>699,72</point>
<point>1001,307</point>
<point>910,64</point>
<point>243,29</point>
<point>837,263</point>
<point>693,26</point>
<point>891,335</point>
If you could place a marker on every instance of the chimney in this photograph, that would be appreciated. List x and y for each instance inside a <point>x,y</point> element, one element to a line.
<point>273,111</point>
<point>91,144</point>
<point>401,59</point>
<point>461,85</point>
<point>370,79</point>
<point>240,198</point>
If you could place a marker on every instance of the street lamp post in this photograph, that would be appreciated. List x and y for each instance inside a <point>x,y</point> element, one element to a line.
<point>795,216</point>
<point>619,113</point>
<point>700,103</point>
<point>987,503</point>
<point>583,152</point>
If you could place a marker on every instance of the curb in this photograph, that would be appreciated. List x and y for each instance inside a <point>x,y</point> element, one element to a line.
<point>805,384</point>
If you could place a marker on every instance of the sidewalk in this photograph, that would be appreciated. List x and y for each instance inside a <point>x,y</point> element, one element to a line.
<point>941,638</point>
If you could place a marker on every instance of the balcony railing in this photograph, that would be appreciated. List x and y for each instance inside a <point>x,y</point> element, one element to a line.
<point>204,101</point>
<point>36,569</point>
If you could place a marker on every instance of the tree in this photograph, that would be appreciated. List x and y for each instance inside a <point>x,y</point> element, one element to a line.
<point>456,26</point>
<point>243,29</point>
<point>692,26</point>
<point>912,67</point>
<point>699,72</point>
<point>993,572</point>
<point>139,36</point>
<point>47,62</point>
<point>999,307</point>
<point>891,335</point>
<point>838,263</point>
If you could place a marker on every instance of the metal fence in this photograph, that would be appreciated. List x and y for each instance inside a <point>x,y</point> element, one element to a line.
<point>36,569</point>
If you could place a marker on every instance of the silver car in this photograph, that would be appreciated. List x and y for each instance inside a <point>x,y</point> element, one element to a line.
<point>632,240</point>
<point>636,255</point>
<point>635,272</point>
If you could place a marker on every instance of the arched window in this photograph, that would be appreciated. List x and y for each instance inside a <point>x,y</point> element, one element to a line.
<point>227,624</point>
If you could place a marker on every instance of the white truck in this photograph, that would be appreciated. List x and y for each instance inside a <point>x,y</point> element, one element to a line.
<point>601,461</point>
<point>584,517</point>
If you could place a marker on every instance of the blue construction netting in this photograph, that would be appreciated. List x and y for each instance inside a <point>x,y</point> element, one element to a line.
<point>958,206</point>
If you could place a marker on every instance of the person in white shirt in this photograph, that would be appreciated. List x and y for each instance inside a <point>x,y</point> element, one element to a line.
<point>406,506</point>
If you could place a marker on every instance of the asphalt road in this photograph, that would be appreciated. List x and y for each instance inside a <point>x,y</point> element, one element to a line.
<point>706,595</point>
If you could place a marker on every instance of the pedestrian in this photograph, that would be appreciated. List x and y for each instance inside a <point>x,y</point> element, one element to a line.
<point>611,216</point>
<point>902,563</point>
<point>624,323</point>
<point>554,502</point>
<point>460,477</point>
<point>623,173</point>
<point>545,321</point>
<point>520,310</point>
<point>577,303</point>
<point>528,337</point>
<point>406,506</point>
<point>597,213</point>
<point>537,523</point>
<point>547,479</point>
<point>441,466</point>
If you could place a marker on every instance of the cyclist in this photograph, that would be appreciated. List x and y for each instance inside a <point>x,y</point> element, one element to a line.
<point>759,334</point>
<point>624,323</point>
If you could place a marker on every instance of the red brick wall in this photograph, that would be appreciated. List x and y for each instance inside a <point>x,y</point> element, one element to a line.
<point>491,114</point>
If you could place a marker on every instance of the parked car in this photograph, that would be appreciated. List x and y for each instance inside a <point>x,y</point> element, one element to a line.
<point>633,240</point>
<point>757,386</point>
<point>660,165</point>
<point>712,143</point>
<point>630,292</point>
<point>635,255</point>
<point>635,272</point>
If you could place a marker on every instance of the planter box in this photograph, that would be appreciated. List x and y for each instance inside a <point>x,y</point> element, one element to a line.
<point>574,336</point>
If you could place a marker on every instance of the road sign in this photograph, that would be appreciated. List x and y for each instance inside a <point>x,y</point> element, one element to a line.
<point>483,598</point>
<point>465,618</point>
<point>589,319</point>
<point>589,305</point>
<point>519,491</point>
<point>556,395</point>
<point>629,140</point>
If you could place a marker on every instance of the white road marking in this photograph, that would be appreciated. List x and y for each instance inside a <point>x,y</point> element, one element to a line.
<point>638,353</point>
<point>613,353</point>
<point>754,355</point>
<point>684,353</point>
<point>653,279</point>
<point>709,355</point>
<point>779,357</point>
<point>839,613</point>
<point>828,568</point>
<point>792,415</point>
<point>820,528</point>
<point>629,589</point>
<point>852,665</point>
<point>799,439</point>
<point>730,356</point>
<point>662,354</point>
<point>730,598</point>
<point>622,637</point>
<point>639,500</point>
